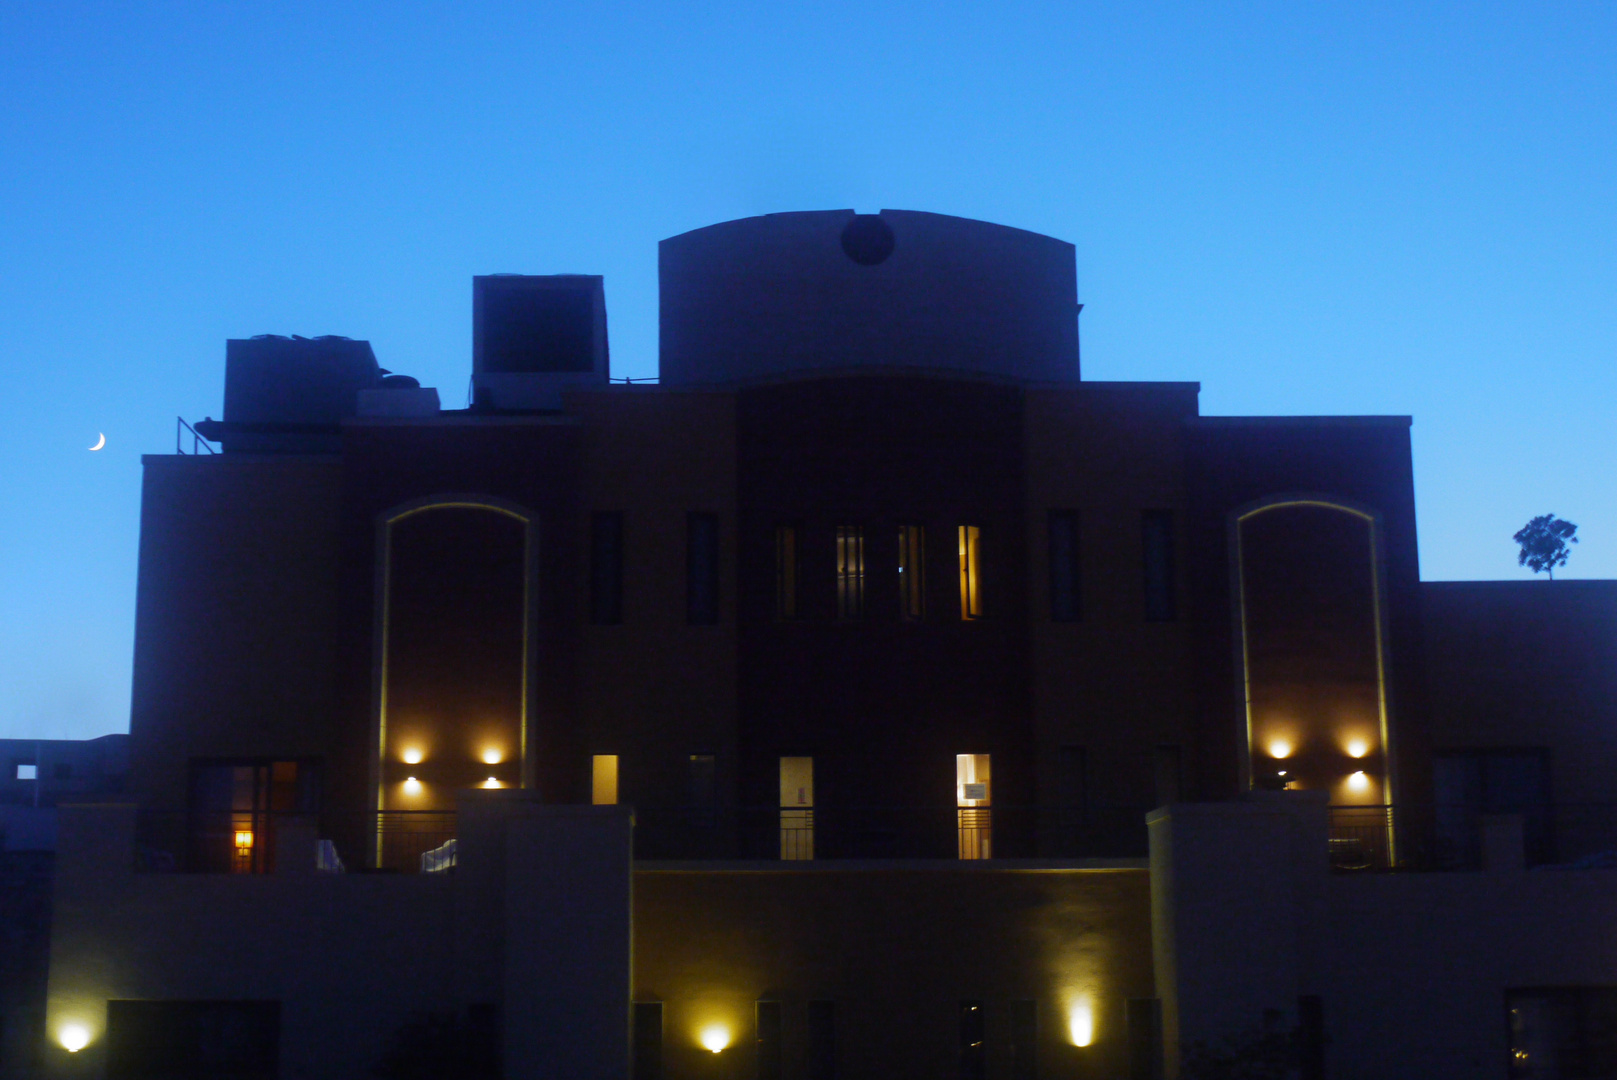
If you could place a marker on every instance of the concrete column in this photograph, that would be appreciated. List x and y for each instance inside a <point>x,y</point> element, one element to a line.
<point>1234,887</point>
<point>567,942</point>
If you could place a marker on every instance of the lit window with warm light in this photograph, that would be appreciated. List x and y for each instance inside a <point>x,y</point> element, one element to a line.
<point>975,824</point>
<point>604,780</point>
<point>971,594</point>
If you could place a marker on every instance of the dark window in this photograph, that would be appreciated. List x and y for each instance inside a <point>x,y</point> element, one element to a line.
<point>1470,783</point>
<point>193,1040</point>
<point>1065,595</point>
<point>1169,767</point>
<point>973,1049</point>
<point>648,1040</point>
<point>822,1040</point>
<point>786,596</point>
<point>1564,1032</point>
<point>912,573</point>
<point>606,569</point>
<point>1142,1017</point>
<point>1156,535</point>
<point>703,785</point>
<point>850,572</point>
<point>769,1055</point>
<point>1024,1040</point>
<point>702,569</point>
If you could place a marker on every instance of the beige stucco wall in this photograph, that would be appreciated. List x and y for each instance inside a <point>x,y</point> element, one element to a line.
<point>897,947</point>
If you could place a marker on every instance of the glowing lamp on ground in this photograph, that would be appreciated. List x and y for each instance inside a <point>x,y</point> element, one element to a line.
<point>715,1037</point>
<point>1358,782</point>
<point>412,786</point>
<point>492,756</point>
<point>412,756</point>
<point>73,1037</point>
<point>1357,748</point>
<point>1081,1024</point>
<point>1280,748</point>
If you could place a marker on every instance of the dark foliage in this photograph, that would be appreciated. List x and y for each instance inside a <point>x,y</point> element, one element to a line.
<point>1544,543</point>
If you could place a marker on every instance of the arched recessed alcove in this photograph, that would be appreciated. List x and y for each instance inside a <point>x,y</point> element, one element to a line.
<point>1312,644</point>
<point>454,627</point>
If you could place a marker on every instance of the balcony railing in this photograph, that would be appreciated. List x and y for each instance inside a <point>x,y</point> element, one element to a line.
<point>1450,837</point>
<point>249,842</point>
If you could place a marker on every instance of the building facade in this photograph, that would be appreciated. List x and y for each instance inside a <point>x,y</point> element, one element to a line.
<point>889,627</point>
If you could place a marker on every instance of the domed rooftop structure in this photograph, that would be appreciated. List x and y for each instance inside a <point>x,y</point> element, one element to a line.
<point>786,295</point>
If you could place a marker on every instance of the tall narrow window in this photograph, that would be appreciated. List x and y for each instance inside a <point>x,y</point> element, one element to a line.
<point>786,571</point>
<point>703,780</point>
<point>702,569</point>
<point>822,1040</point>
<point>604,779</point>
<point>648,1040</point>
<point>606,569</point>
<point>972,806</point>
<point>850,572</point>
<point>1065,595</point>
<point>769,1048</point>
<point>1156,536</point>
<point>912,573</point>
<point>971,604</point>
<point>1024,1040</point>
<point>797,808</point>
<point>973,1047</point>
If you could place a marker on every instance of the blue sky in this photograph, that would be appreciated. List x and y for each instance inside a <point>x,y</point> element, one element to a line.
<point>1309,208</point>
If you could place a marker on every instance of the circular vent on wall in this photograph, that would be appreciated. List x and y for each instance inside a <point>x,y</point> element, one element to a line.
<point>867,239</point>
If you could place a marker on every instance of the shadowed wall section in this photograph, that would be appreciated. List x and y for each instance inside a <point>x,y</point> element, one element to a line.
<point>453,680</point>
<point>1312,641</point>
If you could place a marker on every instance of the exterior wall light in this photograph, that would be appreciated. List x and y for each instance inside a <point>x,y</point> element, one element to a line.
<point>1081,1024</point>
<point>492,783</point>
<point>1280,748</point>
<point>73,1037</point>
<point>244,839</point>
<point>715,1037</point>
<point>1358,781</point>
<point>492,756</point>
<point>1357,748</point>
<point>412,787</point>
<point>412,756</point>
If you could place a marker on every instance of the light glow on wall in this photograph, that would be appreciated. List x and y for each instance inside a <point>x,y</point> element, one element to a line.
<point>1358,782</point>
<point>1357,748</point>
<point>492,756</point>
<point>715,1037</point>
<point>1081,1024</point>
<point>1280,748</point>
<point>73,1037</point>
<point>412,787</point>
<point>492,783</point>
<point>412,755</point>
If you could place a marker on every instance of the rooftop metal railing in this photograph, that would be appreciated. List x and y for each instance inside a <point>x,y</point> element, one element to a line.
<point>198,442</point>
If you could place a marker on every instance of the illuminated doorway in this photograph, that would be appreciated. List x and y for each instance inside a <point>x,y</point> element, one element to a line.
<point>797,808</point>
<point>975,823</point>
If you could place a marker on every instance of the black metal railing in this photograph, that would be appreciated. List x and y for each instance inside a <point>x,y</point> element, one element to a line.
<point>198,442</point>
<point>1450,836</point>
<point>249,842</point>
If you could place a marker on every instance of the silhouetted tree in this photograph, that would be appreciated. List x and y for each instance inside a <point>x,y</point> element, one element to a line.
<point>1544,543</point>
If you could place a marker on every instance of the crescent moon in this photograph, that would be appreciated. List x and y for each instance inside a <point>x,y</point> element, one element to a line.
<point>100,442</point>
